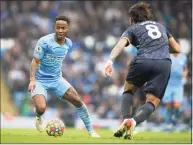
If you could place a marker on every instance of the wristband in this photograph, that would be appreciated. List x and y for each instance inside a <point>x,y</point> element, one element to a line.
<point>110,61</point>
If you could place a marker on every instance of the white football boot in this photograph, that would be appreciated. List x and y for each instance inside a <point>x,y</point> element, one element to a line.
<point>94,134</point>
<point>40,124</point>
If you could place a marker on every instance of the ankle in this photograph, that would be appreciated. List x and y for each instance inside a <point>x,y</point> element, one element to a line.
<point>39,117</point>
<point>125,119</point>
<point>134,122</point>
<point>91,131</point>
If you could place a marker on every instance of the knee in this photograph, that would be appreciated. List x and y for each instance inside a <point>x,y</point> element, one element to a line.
<point>168,105</point>
<point>177,105</point>
<point>72,96</point>
<point>41,109</point>
<point>152,99</point>
<point>129,88</point>
<point>77,102</point>
<point>128,92</point>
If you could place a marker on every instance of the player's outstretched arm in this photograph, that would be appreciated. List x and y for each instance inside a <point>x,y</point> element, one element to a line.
<point>119,47</point>
<point>34,66</point>
<point>174,46</point>
<point>114,53</point>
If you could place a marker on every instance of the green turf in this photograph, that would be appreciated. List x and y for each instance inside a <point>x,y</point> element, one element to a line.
<point>81,137</point>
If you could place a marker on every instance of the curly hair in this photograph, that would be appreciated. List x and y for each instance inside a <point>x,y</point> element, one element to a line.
<point>64,18</point>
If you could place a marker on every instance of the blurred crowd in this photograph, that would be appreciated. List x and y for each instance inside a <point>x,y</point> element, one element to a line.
<point>95,28</point>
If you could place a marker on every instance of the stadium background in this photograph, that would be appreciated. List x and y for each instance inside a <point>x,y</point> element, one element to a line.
<point>95,28</point>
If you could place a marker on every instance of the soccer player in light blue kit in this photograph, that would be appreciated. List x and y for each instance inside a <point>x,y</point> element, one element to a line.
<point>46,74</point>
<point>174,92</point>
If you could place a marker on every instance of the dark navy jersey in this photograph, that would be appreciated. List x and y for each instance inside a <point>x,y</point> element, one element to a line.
<point>150,38</point>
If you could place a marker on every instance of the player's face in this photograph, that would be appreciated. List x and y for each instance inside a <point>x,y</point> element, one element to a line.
<point>61,28</point>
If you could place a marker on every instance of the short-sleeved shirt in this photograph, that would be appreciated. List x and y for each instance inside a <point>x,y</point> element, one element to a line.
<point>150,38</point>
<point>178,65</point>
<point>51,56</point>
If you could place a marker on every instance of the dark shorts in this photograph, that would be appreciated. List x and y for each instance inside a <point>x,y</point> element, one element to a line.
<point>155,72</point>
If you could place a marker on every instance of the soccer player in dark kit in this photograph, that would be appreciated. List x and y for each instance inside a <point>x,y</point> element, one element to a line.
<point>149,70</point>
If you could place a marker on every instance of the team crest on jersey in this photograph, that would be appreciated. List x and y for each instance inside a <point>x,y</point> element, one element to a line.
<point>39,49</point>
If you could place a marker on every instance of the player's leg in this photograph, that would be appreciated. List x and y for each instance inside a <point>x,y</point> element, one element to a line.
<point>168,117</point>
<point>139,99</point>
<point>177,103</point>
<point>65,91</point>
<point>127,102</point>
<point>72,96</point>
<point>135,76</point>
<point>160,72</point>
<point>167,101</point>
<point>127,109</point>
<point>147,109</point>
<point>155,91</point>
<point>38,96</point>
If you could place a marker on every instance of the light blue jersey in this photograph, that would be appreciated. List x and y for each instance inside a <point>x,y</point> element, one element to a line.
<point>49,73</point>
<point>131,50</point>
<point>51,55</point>
<point>175,89</point>
<point>178,65</point>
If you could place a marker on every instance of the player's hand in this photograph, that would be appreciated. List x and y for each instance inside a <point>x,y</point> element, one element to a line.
<point>108,68</point>
<point>32,86</point>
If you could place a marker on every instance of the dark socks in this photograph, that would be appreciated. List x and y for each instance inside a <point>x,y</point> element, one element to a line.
<point>127,105</point>
<point>144,112</point>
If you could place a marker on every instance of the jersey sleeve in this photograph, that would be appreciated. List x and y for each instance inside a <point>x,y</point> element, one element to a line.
<point>128,36</point>
<point>169,34</point>
<point>40,49</point>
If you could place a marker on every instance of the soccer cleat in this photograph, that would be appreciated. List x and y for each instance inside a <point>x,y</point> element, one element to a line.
<point>94,134</point>
<point>127,135</point>
<point>40,124</point>
<point>121,130</point>
<point>130,125</point>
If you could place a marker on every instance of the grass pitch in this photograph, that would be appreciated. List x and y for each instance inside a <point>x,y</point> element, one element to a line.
<point>81,137</point>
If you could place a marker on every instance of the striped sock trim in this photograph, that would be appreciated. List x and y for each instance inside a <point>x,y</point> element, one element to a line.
<point>84,115</point>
